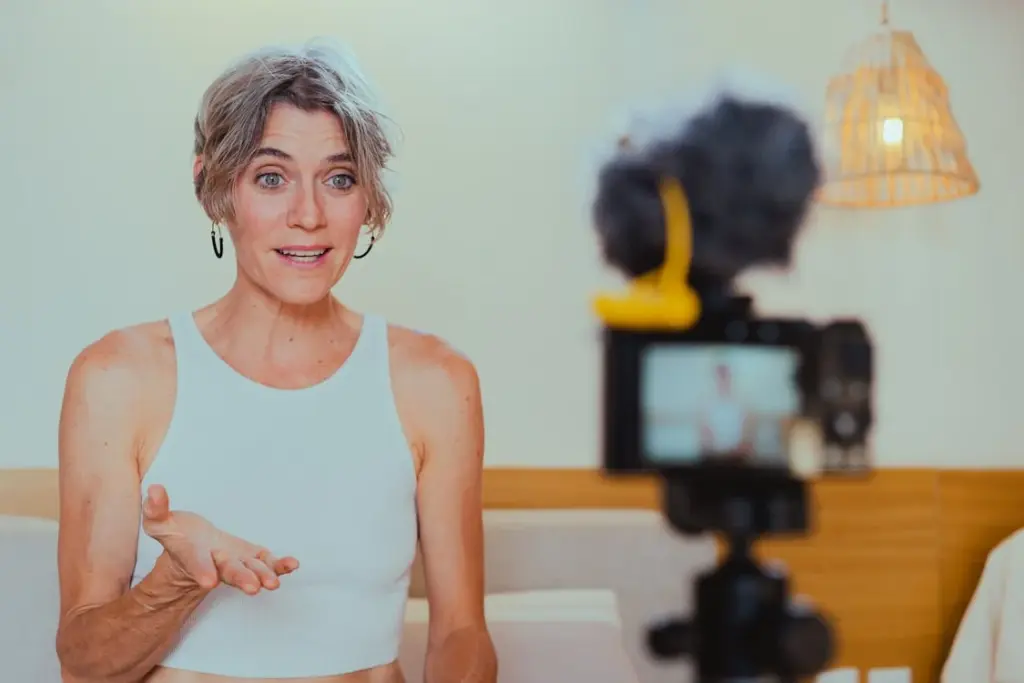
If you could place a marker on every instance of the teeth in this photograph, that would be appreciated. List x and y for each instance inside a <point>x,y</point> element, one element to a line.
<point>302,253</point>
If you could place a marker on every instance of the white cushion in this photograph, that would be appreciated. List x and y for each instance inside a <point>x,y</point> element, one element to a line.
<point>30,599</point>
<point>540,636</point>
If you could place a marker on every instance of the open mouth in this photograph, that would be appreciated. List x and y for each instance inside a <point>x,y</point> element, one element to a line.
<point>303,256</point>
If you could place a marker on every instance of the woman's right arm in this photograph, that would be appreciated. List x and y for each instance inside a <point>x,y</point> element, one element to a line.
<point>107,631</point>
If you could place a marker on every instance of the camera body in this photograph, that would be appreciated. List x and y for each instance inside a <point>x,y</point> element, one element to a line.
<point>753,396</point>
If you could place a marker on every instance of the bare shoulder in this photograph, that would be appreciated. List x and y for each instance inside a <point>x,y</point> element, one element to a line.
<point>125,380</point>
<point>121,363</point>
<point>437,392</point>
<point>429,368</point>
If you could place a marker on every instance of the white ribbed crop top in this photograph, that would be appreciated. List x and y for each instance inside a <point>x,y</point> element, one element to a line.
<point>323,474</point>
<point>725,419</point>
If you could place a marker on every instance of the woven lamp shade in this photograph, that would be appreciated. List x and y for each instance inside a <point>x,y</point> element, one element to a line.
<point>891,130</point>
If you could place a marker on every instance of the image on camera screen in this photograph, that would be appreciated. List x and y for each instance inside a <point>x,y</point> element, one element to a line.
<point>718,402</point>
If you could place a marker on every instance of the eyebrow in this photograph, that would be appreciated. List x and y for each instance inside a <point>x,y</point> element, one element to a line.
<point>339,158</point>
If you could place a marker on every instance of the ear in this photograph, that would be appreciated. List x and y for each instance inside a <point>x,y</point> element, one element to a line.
<point>197,167</point>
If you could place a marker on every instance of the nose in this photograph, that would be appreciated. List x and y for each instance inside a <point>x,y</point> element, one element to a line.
<point>306,211</point>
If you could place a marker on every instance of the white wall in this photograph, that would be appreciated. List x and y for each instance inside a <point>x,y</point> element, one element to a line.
<point>500,104</point>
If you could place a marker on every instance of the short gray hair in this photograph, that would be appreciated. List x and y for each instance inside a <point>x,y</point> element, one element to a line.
<point>317,76</point>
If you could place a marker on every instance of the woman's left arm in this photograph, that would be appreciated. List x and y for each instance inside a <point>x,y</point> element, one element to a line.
<point>459,648</point>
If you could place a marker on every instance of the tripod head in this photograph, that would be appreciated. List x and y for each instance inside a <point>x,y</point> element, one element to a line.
<point>745,628</point>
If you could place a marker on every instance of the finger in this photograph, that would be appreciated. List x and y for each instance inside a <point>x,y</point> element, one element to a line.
<point>281,566</point>
<point>234,573</point>
<point>204,570</point>
<point>157,506</point>
<point>203,573</point>
<point>265,574</point>
<point>286,565</point>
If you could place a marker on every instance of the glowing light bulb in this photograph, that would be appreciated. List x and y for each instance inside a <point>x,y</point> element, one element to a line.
<point>892,131</point>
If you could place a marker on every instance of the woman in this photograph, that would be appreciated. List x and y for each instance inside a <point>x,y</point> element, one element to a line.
<point>725,428</point>
<point>283,452</point>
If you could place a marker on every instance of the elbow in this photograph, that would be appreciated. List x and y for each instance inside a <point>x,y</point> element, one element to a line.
<point>85,662</point>
<point>73,657</point>
<point>67,651</point>
<point>466,654</point>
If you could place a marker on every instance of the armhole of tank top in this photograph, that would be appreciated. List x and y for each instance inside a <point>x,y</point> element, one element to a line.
<point>380,362</point>
<point>180,339</point>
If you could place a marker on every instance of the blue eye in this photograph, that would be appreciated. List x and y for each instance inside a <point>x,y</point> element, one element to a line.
<point>342,181</point>
<point>270,179</point>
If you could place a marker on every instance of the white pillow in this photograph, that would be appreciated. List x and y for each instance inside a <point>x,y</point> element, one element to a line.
<point>569,605</point>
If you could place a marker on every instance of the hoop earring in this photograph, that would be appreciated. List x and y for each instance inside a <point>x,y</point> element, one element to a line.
<point>363,255</point>
<point>218,240</point>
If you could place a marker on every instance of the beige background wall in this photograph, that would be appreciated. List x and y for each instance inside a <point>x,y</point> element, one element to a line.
<point>501,106</point>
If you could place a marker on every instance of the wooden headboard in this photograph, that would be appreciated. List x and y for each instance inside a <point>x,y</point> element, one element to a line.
<point>893,559</point>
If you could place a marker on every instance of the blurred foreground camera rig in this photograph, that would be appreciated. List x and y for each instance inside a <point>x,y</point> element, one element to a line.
<point>733,411</point>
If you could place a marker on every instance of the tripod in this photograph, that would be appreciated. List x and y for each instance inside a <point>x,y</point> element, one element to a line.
<point>744,628</point>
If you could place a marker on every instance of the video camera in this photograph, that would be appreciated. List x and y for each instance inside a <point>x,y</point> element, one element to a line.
<point>733,411</point>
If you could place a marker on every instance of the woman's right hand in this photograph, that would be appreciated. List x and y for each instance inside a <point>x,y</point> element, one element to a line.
<point>204,554</point>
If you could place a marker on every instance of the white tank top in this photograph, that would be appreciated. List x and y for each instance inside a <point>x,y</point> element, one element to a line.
<point>323,474</point>
<point>724,419</point>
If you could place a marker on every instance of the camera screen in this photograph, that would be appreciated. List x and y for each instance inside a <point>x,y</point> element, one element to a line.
<point>729,402</point>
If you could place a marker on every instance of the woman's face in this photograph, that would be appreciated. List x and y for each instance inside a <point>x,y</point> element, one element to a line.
<point>298,210</point>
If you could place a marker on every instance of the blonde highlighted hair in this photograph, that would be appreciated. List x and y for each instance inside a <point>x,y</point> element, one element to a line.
<point>317,76</point>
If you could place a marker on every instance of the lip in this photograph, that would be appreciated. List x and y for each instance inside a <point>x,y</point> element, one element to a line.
<point>303,247</point>
<point>303,263</point>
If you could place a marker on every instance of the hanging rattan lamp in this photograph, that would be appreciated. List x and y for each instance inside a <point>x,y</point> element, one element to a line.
<point>890,129</point>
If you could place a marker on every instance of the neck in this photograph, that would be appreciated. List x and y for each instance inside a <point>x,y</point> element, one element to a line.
<point>254,323</point>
